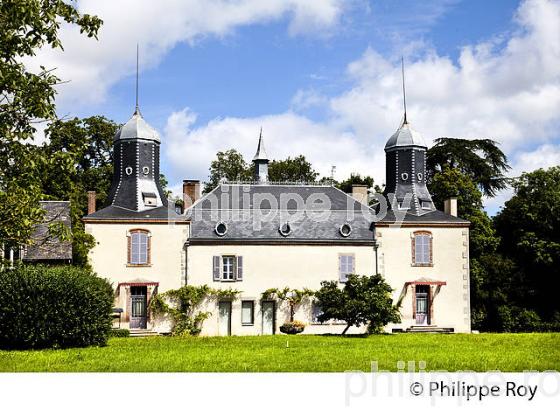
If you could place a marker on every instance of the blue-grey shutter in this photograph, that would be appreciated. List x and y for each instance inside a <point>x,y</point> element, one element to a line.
<point>240,268</point>
<point>351,265</point>
<point>341,268</point>
<point>216,267</point>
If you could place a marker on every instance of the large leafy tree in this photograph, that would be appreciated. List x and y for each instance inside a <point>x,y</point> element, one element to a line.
<point>27,97</point>
<point>230,166</point>
<point>529,225</point>
<point>363,300</point>
<point>88,147</point>
<point>297,169</point>
<point>480,159</point>
<point>357,179</point>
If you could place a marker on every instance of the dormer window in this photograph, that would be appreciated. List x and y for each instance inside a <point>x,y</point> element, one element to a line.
<point>150,199</point>
<point>426,205</point>
<point>402,206</point>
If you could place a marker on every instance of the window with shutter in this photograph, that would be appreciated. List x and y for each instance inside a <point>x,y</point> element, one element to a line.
<point>228,268</point>
<point>216,265</point>
<point>345,266</point>
<point>139,247</point>
<point>240,268</point>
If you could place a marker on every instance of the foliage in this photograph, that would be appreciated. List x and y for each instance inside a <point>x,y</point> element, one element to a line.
<point>529,225</point>
<point>119,333</point>
<point>362,300</point>
<point>230,166</point>
<point>357,179</point>
<point>293,297</point>
<point>293,327</point>
<point>307,353</point>
<point>26,98</point>
<point>479,159</point>
<point>87,145</point>
<point>296,169</point>
<point>182,307</point>
<point>62,306</point>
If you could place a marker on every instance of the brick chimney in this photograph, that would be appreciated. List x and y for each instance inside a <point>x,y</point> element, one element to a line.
<point>91,197</point>
<point>191,191</point>
<point>450,206</point>
<point>360,194</point>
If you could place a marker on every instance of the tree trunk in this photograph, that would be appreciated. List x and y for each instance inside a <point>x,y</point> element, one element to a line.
<point>346,329</point>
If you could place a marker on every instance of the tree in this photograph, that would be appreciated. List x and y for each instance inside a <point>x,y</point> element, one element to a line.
<point>230,166</point>
<point>296,169</point>
<point>362,300</point>
<point>294,297</point>
<point>27,97</point>
<point>87,145</point>
<point>529,226</point>
<point>357,179</point>
<point>480,159</point>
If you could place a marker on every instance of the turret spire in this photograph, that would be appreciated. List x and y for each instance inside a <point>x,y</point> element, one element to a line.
<point>137,111</point>
<point>403,90</point>
<point>261,161</point>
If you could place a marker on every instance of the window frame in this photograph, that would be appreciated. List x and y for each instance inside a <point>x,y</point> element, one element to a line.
<point>430,251</point>
<point>340,256</point>
<point>252,303</point>
<point>233,268</point>
<point>148,234</point>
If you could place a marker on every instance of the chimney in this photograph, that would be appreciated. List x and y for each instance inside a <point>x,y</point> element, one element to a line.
<point>91,197</point>
<point>360,194</point>
<point>191,191</point>
<point>450,206</point>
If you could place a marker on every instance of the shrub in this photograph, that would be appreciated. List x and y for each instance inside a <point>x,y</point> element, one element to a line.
<point>292,328</point>
<point>119,333</point>
<point>63,306</point>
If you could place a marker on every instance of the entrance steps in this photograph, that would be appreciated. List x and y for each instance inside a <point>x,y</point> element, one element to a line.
<point>143,333</point>
<point>429,329</point>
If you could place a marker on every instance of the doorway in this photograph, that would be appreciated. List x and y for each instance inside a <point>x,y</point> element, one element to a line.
<point>268,317</point>
<point>224,318</point>
<point>423,305</point>
<point>138,307</point>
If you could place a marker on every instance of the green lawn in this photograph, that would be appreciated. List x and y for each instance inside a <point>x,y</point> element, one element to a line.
<point>484,352</point>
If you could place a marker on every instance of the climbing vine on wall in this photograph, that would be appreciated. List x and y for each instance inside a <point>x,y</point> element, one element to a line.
<point>183,307</point>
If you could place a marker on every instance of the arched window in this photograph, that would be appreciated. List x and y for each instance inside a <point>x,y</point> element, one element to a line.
<point>422,252</point>
<point>139,247</point>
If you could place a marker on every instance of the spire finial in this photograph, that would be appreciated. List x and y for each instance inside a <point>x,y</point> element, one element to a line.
<point>137,58</point>
<point>403,90</point>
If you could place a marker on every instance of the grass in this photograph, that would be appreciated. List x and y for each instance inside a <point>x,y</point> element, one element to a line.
<point>483,352</point>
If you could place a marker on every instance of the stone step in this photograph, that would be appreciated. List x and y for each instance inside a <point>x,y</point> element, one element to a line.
<point>429,329</point>
<point>143,333</point>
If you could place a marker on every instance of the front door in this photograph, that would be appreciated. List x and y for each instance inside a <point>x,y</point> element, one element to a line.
<point>268,317</point>
<point>422,305</point>
<point>224,318</point>
<point>138,308</point>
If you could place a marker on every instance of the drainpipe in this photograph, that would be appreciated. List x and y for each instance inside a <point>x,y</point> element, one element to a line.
<point>375,248</point>
<point>186,262</point>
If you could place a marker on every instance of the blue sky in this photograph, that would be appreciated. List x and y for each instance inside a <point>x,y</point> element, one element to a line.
<point>321,77</point>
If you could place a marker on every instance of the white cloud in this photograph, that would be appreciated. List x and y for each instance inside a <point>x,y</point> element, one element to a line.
<point>94,66</point>
<point>506,89</point>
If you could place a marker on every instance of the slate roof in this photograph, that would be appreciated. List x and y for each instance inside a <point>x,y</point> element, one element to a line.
<point>405,136</point>
<point>137,127</point>
<point>117,213</point>
<point>432,217</point>
<point>46,247</point>
<point>254,213</point>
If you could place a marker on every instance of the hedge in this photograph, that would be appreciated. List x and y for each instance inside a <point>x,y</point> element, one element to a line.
<point>62,306</point>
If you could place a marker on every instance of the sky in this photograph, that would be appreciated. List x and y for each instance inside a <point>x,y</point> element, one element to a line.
<point>322,77</point>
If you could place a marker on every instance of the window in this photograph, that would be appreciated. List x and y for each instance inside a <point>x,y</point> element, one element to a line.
<point>422,249</point>
<point>345,230</point>
<point>345,266</point>
<point>139,248</point>
<point>220,229</point>
<point>426,205</point>
<point>228,265</point>
<point>247,312</point>
<point>285,229</point>
<point>227,268</point>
